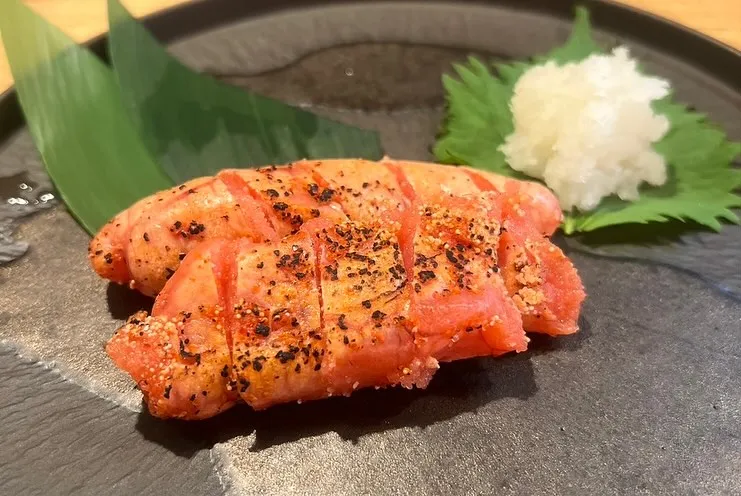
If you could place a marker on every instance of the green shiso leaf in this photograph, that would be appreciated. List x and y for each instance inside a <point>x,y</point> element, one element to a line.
<point>71,102</point>
<point>702,181</point>
<point>195,125</point>
<point>580,44</point>
<point>700,187</point>
<point>478,118</point>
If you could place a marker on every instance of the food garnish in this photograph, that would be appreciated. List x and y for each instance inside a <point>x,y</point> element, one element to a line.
<point>587,129</point>
<point>481,130</point>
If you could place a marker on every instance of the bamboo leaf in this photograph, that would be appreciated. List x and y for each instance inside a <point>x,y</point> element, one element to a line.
<point>195,125</point>
<point>74,113</point>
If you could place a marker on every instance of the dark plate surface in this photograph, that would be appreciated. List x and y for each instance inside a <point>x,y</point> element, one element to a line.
<point>645,399</point>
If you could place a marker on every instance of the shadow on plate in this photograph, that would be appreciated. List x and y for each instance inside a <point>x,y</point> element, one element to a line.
<point>458,387</point>
<point>123,302</point>
<point>653,234</point>
<point>542,344</point>
<point>645,245</point>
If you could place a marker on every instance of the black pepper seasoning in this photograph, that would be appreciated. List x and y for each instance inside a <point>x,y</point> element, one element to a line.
<point>341,322</point>
<point>195,228</point>
<point>262,330</point>
<point>326,195</point>
<point>378,315</point>
<point>285,356</point>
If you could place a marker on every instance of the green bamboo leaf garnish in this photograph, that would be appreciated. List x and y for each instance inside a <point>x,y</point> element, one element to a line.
<point>70,99</point>
<point>195,125</point>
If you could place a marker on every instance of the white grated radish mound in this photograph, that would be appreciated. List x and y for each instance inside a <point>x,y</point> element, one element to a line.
<point>587,129</point>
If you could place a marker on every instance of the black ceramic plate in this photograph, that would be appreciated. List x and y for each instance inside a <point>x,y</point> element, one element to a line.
<point>645,399</point>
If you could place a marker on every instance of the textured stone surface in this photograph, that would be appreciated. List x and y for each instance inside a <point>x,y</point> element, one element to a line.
<point>60,439</point>
<point>646,399</point>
